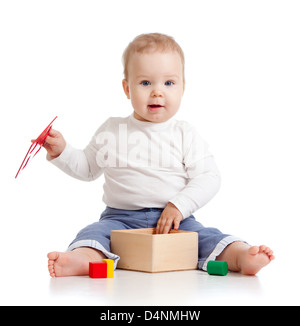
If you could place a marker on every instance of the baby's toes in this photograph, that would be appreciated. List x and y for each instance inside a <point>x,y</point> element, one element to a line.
<point>268,252</point>
<point>262,248</point>
<point>51,271</point>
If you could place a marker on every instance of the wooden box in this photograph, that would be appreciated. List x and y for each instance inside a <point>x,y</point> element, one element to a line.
<point>144,250</point>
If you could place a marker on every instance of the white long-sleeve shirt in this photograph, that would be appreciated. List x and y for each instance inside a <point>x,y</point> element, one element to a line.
<point>146,164</point>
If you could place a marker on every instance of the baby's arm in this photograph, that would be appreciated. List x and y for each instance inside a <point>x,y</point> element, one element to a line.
<point>199,190</point>
<point>203,182</point>
<point>80,164</point>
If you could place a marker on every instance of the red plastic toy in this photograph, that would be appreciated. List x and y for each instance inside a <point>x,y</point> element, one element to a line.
<point>98,269</point>
<point>36,146</point>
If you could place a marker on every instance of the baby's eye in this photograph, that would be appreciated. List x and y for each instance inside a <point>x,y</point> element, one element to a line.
<point>145,83</point>
<point>169,83</point>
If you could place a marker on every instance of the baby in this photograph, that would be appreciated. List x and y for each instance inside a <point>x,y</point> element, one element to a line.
<point>158,170</point>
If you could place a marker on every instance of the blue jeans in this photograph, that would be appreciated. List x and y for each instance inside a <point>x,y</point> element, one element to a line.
<point>211,242</point>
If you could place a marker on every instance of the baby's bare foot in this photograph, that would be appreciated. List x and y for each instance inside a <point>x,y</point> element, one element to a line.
<point>254,259</point>
<point>72,263</point>
<point>67,264</point>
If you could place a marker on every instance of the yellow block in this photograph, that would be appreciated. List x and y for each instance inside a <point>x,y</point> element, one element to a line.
<point>110,267</point>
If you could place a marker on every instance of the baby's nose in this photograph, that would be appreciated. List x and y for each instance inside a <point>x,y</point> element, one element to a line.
<point>156,93</point>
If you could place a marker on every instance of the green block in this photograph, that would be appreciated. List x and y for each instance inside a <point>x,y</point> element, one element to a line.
<point>215,267</point>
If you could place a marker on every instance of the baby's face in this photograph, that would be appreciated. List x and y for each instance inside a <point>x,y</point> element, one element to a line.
<point>155,85</point>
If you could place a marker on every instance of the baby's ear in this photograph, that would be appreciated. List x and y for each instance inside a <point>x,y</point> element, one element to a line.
<point>126,88</point>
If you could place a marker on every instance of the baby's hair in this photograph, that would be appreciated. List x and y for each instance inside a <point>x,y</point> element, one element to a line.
<point>149,43</point>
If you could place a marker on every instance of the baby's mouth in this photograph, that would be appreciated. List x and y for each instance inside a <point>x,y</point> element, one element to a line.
<point>154,107</point>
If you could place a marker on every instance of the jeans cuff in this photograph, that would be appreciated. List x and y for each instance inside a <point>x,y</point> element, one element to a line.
<point>217,250</point>
<point>96,245</point>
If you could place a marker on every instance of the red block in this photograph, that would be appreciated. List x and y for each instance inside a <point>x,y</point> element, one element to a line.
<point>98,269</point>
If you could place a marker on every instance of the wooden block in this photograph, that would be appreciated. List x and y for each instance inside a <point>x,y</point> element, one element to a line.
<point>144,250</point>
<point>98,269</point>
<point>110,267</point>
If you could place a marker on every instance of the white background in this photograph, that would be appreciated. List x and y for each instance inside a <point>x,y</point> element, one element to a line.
<point>242,92</point>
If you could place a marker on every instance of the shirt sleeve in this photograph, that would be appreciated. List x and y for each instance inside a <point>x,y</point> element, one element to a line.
<point>203,175</point>
<point>81,164</point>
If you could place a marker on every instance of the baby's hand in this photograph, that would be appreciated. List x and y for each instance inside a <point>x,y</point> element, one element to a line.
<point>54,144</point>
<point>170,215</point>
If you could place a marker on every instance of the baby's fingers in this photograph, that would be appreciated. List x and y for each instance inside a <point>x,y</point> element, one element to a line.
<point>54,138</point>
<point>51,140</point>
<point>176,223</point>
<point>54,133</point>
<point>160,226</point>
<point>166,227</point>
